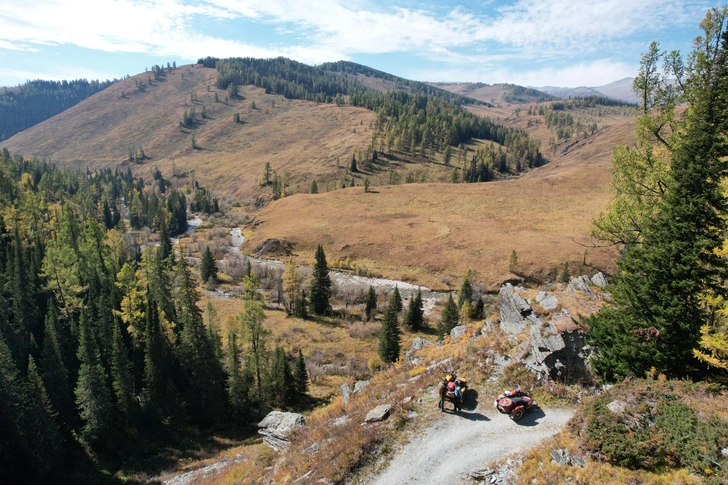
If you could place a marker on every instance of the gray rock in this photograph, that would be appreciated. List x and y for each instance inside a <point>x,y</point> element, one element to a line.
<point>599,280</point>
<point>617,406</point>
<point>277,426</point>
<point>481,473</point>
<point>458,331</point>
<point>359,386</point>
<point>724,452</point>
<point>440,364</point>
<point>379,413</point>
<point>560,457</point>
<point>540,296</point>
<point>549,303</point>
<point>581,283</point>
<point>345,393</point>
<point>577,460</point>
<point>417,344</point>
<point>339,421</point>
<point>515,312</point>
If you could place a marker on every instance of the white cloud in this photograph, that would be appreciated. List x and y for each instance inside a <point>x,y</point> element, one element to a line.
<point>471,43</point>
<point>596,73</point>
<point>166,27</point>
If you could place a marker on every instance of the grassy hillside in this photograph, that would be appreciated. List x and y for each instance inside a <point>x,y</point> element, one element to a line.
<point>432,233</point>
<point>295,137</point>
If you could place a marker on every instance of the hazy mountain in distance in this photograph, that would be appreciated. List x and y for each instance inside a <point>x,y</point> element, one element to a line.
<point>621,90</point>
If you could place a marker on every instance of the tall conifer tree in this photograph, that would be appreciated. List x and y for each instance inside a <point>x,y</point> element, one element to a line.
<point>321,284</point>
<point>92,393</point>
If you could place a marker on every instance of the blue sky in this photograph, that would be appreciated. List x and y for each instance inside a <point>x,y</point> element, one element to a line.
<point>529,42</point>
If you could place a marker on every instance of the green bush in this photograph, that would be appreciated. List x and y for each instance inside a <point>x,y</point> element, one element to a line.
<point>657,429</point>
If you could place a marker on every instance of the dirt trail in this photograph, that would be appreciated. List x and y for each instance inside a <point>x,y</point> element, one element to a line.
<point>456,444</point>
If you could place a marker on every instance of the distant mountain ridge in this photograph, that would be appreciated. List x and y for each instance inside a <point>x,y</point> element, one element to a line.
<point>621,90</point>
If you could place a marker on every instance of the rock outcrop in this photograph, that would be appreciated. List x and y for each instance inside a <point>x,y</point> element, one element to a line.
<point>417,344</point>
<point>515,312</point>
<point>379,413</point>
<point>599,280</point>
<point>277,427</point>
<point>581,283</point>
<point>547,351</point>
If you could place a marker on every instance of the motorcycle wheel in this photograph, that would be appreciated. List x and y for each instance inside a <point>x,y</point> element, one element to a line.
<point>517,415</point>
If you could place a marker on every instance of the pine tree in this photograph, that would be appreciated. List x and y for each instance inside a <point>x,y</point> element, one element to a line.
<point>92,394</point>
<point>371,305</point>
<point>300,375</point>
<point>196,352</point>
<point>300,306</point>
<point>208,266</point>
<point>353,168</point>
<point>53,370</point>
<point>415,316</point>
<point>121,376</point>
<point>210,319</point>
<point>16,458</point>
<point>284,387</point>
<point>565,275</point>
<point>466,290</point>
<point>321,284</point>
<point>313,188</point>
<point>397,298</point>
<point>154,385</point>
<point>237,386</point>
<point>389,335</point>
<point>449,319</point>
<point>663,281</point>
<point>42,419</point>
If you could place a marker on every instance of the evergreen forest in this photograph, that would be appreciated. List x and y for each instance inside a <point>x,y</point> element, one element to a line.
<point>412,117</point>
<point>35,101</point>
<point>104,350</point>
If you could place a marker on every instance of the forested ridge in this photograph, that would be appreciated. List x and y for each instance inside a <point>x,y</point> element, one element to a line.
<point>28,104</point>
<point>415,117</point>
<point>103,346</point>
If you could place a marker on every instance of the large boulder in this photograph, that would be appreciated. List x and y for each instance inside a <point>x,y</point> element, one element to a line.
<point>458,331</point>
<point>359,386</point>
<point>549,303</point>
<point>599,280</point>
<point>515,312</point>
<point>277,426</point>
<point>379,413</point>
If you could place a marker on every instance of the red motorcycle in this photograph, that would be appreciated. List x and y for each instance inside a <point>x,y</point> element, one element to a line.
<point>515,403</point>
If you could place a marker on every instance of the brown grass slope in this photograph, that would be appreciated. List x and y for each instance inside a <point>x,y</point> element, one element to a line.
<point>298,138</point>
<point>427,233</point>
<point>432,233</point>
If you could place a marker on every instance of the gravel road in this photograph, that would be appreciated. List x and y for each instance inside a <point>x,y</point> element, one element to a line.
<point>456,444</point>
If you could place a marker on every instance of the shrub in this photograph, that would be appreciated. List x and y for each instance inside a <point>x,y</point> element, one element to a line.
<point>656,430</point>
